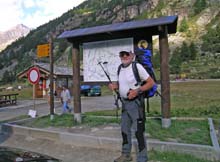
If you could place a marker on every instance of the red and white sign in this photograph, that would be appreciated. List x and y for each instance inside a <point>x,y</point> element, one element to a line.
<point>34,75</point>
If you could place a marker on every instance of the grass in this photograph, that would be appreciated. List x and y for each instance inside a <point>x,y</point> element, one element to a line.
<point>25,93</point>
<point>191,99</point>
<point>15,119</point>
<point>181,131</point>
<point>66,120</point>
<point>188,99</point>
<point>156,156</point>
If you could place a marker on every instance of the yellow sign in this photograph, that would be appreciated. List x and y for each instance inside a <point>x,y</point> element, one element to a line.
<point>43,50</point>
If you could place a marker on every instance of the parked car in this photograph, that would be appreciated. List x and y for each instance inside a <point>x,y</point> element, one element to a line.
<point>17,155</point>
<point>88,90</point>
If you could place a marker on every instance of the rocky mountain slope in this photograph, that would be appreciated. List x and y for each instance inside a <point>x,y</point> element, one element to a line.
<point>194,18</point>
<point>12,34</point>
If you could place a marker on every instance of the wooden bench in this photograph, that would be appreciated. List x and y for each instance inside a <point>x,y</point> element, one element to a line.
<point>8,99</point>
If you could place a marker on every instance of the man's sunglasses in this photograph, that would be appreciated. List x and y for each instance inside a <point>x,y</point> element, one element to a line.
<point>122,54</point>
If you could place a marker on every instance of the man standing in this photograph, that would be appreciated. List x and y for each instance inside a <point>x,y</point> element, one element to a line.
<point>133,116</point>
<point>65,99</point>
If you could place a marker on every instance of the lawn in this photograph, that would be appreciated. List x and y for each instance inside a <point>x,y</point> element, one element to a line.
<point>188,99</point>
<point>183,131</point>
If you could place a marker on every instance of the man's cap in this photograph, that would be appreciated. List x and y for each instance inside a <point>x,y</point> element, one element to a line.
<point>128,52</point>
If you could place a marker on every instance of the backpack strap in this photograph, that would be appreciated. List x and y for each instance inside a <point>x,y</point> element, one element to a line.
<point>136,73</point>
<point>119,69</point>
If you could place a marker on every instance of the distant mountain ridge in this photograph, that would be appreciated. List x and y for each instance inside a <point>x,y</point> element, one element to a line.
<point>13,34</point>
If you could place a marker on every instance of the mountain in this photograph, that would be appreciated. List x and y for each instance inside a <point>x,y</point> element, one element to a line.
<point>12,34</point>
<point>194,49</point>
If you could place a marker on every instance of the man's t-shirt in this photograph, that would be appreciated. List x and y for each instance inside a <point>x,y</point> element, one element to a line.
<point>65,95</point>
<point>127,79</point>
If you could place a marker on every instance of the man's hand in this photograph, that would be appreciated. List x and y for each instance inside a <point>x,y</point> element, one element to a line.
<point>132,94</point>
<point>113,86</point>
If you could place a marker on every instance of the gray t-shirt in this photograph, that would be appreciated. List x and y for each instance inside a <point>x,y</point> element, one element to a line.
<point>65,95</point>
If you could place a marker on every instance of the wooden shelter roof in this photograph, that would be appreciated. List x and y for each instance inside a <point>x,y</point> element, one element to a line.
<point>121,30</point>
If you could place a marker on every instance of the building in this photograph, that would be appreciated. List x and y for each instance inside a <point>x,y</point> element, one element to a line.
<point>62,75</point>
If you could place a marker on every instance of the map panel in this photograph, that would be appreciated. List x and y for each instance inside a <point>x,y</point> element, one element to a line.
<point>106,53</point>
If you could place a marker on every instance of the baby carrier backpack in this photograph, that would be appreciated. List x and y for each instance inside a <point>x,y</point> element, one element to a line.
<point>143,56</point>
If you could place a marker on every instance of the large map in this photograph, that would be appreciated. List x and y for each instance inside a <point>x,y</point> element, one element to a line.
<point>106,53</point>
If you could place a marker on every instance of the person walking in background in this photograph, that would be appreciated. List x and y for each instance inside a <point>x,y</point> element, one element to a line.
<point>65,99</point>
<point>133,115</point>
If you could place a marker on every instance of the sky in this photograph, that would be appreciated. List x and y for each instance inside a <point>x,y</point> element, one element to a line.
<point>32,13</point>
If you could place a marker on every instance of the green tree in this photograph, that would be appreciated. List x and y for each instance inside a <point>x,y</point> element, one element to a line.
<point>199,5</point>
<point>184,52</point>
<point>193,51</point>
<point>183,26</point>
<point>211,41</point>
<point>1,65</point>
<point>175,62</point>
<point>6,77</point>
<point>156,60</point>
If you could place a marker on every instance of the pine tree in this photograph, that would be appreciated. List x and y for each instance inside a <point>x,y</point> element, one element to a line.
<point>183,26</point>
<point>193,51</point>
<point>199,5</point>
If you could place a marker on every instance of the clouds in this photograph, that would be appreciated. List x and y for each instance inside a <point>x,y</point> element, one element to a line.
<point>9,14</point>
<point>32,13</point>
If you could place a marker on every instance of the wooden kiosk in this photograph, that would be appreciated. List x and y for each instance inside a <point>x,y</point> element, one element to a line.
<point>136,29</point>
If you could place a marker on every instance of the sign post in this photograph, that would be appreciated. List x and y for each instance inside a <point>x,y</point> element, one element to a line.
<point>33,77</point>
<point>46,50</point>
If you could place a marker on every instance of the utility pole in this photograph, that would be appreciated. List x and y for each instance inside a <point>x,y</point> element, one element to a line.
<point>51,78</point>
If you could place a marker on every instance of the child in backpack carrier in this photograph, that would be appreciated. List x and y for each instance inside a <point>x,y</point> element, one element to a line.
<point>144,57</point>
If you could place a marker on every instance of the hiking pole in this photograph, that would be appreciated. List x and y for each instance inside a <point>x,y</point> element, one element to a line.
<point>115,93</point>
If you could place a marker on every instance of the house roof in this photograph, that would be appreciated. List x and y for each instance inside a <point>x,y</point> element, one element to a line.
<point>122,30</point>
<point>45,69</point>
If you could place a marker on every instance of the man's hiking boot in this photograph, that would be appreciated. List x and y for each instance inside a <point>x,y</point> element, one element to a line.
<point>123,158</point>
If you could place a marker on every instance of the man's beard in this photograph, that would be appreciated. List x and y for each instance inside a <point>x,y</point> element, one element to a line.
<point>126,62</point>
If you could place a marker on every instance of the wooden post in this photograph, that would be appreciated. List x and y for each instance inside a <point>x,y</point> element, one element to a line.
<point>164,76</point>
<point>51,80</point>
<point>76,83</point>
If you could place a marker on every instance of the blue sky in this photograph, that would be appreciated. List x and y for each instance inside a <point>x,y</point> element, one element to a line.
<point>32,13</point>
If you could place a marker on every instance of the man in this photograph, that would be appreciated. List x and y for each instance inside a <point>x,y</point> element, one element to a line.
<point>65,99</point>
<point>132,106</point>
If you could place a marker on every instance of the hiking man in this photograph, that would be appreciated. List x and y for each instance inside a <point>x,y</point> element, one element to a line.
<point>133,115</point>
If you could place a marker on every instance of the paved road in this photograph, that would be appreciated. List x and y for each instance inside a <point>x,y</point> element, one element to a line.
<point>42,107</point>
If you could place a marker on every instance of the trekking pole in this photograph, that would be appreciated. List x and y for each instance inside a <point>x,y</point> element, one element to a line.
<point>115,93</point>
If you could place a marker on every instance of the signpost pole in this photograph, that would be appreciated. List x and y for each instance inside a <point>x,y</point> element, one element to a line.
<point>34,96</point>
<point>33,77</point>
